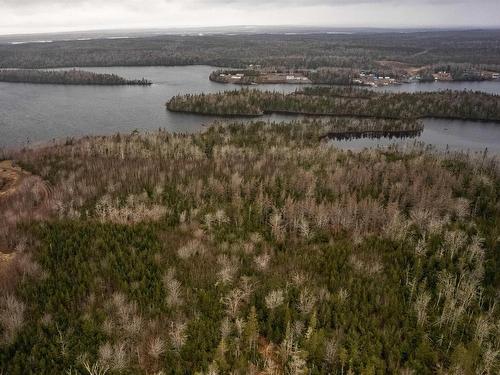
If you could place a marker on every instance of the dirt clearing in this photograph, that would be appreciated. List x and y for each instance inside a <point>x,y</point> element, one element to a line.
<point>11,178</point>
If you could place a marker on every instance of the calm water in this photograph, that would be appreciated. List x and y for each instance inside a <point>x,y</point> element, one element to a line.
<point>38,113</point>
<point>441,134</point>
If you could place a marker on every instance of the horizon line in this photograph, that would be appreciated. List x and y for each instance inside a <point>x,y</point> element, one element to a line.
<point>194,27</point>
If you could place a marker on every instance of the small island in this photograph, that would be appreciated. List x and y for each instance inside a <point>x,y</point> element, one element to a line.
<point>67,77</point>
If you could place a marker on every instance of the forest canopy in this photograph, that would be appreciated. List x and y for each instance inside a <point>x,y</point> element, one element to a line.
<point>337,101</point>
<point>359,50</point>
<point>249,249</point>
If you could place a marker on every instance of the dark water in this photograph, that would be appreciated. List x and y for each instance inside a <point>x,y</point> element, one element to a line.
<point>32,113</point>
<point>37,113</point>
<point>441,134</point>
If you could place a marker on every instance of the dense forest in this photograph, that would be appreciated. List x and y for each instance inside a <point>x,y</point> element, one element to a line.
<point>249,249</point>
<point>66,77</point>
<point>343,102</point>
<point>357,50</point>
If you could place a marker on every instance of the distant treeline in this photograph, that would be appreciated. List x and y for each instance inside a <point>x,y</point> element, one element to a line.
<point>359,50</point>
<point>343,102</point>
<point>66,77</point>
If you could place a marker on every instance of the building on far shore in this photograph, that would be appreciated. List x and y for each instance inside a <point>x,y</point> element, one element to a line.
<point>442,76</point>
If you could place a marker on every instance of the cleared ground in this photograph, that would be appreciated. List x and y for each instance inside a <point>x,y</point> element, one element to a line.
<point>11,178</point>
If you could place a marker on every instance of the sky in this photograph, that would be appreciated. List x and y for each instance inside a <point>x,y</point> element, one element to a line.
<point>38,16</point>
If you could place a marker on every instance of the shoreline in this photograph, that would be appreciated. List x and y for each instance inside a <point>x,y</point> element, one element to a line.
<point>372,134</point>
<point>7,151</point>
<point>78,77</point>
<point>77,84</point>
<point>339,115</point>
<point>83,66</point>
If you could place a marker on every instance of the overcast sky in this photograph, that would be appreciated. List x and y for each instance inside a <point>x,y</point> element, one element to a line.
<point>28,16</point>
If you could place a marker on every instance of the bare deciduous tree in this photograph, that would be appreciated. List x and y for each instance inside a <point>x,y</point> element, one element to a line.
<point>177,335</point>
<point>275,299</point>
<point>174,289</point>
<point>421,304</point>
<point>11,316</point>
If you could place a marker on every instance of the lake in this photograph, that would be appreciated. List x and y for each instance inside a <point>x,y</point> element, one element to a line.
<point>441,134</point>
<point>31,113</point>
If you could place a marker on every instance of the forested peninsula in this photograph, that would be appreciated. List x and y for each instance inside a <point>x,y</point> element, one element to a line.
<point>67,77</point>
<point>349,102</point>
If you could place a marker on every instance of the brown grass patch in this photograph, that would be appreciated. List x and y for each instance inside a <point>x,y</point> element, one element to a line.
<point>10,178</point>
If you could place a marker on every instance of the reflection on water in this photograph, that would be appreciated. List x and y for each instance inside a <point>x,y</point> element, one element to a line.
<point>32,113</point>
<point>442,135</point>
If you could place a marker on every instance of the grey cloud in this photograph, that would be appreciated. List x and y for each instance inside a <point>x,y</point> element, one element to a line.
<point>40,15</point>
<point>69,3</point>
<point>346,2</point>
